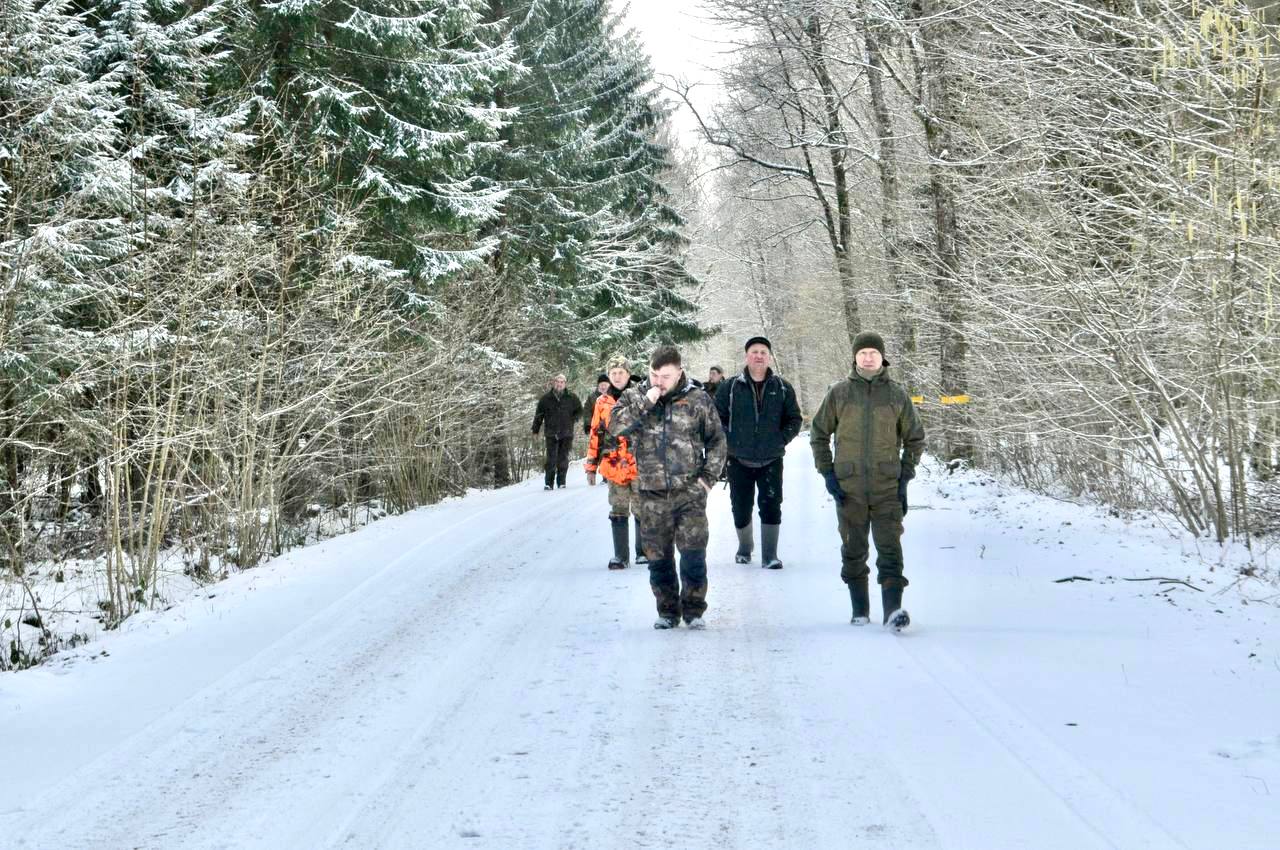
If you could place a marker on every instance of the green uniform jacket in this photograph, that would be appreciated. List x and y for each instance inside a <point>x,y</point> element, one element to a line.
<point>872,421</point>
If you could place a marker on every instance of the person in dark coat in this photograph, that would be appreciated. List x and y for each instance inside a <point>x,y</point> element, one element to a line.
<point>760,415</point>
<point>878,442</point>
<point>557,409</point>
<point>602,387</point>
<point>715,375</point>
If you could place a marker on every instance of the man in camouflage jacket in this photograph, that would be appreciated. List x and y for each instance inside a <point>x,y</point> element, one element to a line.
<point>679,449</point>
<point>878,442</point>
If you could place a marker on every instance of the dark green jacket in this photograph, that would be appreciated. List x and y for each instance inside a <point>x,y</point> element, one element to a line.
<point>588,406</point>
<point>877,433</point>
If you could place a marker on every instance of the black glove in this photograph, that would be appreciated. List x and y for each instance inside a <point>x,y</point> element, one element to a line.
<point>908,472</point>
<point>833,486</point>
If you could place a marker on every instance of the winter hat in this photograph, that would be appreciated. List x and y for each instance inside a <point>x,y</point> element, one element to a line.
<point>868,339</point>
<point>761,340</point>
<point>617,361</point>
<point>603,376</point>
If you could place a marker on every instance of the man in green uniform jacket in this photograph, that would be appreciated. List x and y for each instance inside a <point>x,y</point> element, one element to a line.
<point>878,442</point>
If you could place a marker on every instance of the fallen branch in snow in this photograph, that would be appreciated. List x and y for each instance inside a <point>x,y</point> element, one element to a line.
<point>1233,584</point>
<point>1071,578</point>
<point>1164,580</point>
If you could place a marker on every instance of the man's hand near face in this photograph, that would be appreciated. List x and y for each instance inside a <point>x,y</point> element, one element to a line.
<point>663,381</point>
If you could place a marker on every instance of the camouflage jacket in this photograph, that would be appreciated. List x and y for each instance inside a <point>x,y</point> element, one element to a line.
<point>675,441</point>
<point>871,422</point>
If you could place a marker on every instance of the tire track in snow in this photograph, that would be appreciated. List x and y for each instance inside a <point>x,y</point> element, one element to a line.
<point>512,694</point>
<point>217,755</point>
<point>1103,810</point>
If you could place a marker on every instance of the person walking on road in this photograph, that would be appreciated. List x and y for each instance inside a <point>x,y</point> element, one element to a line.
<point>715,375</point>
<point>558,409</point>
<point>760,415</point>
<point>610,457</point>
<point>680,449</point>
<point>878,442</point>
<point>588,407</point>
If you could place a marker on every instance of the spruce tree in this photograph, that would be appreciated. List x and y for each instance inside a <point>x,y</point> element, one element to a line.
<point>590,250</point>
<point>387,105</point>
<point>59,204</point>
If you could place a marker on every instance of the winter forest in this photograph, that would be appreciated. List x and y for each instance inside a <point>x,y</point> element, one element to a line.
<point>266,261</point>
<point>293,556</point>
<point>270,269</point>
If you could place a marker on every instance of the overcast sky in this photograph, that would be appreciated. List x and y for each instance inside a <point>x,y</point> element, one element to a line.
<point>680,45</point>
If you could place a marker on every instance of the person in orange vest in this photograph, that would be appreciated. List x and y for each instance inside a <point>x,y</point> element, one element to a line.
<point>611,458</point>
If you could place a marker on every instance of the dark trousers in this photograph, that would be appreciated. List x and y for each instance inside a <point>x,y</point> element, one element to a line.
<point>884,521</point>
<point>673,520</point>
<point>559,453</point>
<point>746,483</point>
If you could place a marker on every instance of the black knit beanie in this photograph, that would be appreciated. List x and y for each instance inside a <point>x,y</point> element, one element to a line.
<point>868,339</point>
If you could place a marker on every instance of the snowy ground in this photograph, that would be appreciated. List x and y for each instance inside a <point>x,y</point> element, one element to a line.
<point>469,675</point>
<point>70,592</point>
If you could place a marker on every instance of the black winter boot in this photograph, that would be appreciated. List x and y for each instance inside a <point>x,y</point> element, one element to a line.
<point>641,557</point>
<point>620,543</point>
<point>745,545</point>
<point>895,616</point>
<point>861,602</point>
<point>769,547</point>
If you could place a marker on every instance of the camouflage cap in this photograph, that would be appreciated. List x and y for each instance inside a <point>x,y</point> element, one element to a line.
<point>618,361</point>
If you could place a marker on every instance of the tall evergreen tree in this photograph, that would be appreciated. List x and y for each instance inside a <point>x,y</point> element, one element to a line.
<point>387,103</point>
<point>159,57</point>
<point>59,227</point>
<point>590,247</point>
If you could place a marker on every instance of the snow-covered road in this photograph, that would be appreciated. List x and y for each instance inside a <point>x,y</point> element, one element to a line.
<point>471,676</point>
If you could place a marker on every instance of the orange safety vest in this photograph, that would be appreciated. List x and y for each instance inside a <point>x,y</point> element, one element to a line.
<point>618,465</point>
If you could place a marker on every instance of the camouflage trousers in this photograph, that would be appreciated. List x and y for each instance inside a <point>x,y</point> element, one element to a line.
<point>622,500</point>
<point>673,520</point>
<point>884,521</point>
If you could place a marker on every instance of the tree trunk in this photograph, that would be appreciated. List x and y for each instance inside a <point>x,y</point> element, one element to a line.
<point>841,230</point>
<point>889,203</point>
<point>935,109</point>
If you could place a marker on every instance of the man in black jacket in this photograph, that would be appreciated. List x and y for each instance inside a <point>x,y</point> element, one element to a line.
<point>715,377</point>
<point>760,415</point>
<point>602,387</point>
<point>558,409</point>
